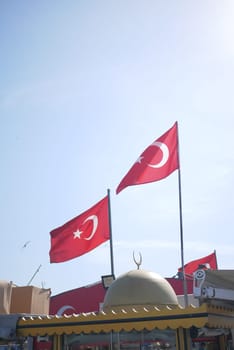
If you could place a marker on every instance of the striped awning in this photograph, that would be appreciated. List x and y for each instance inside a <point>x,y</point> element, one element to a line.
<point>127,320</point>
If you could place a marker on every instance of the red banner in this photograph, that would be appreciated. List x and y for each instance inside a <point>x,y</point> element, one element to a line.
<point>207,262</point>
<point>158,161</point>
<point>81,234</point>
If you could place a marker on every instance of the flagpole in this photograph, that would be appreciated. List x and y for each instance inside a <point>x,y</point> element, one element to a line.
<point>181,228</point>
<point>216,259</point>
<point>110,229</point>
<point>37,270</point>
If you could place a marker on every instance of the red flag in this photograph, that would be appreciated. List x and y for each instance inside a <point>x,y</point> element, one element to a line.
<point>81,234</point>
<point>158,161</point>
<point>207,262</point>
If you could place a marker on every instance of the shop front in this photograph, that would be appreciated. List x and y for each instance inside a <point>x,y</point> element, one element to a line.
<point>140,312</point>
<point>138,329</point>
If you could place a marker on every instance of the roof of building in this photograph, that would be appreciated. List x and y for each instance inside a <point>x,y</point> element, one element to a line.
<point>135,319</point>
<point>139,287</point>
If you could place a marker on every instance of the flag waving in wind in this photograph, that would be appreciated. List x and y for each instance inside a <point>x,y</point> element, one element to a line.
<point>206,262</point>
<point>81,234</point>
<point>158,161</point>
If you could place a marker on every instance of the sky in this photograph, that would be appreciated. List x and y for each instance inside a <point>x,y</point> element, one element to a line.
<point>85,87</point>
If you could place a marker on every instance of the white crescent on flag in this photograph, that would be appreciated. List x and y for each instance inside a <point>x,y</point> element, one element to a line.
<point>64,308</point>
<point>165,154</point>
<point>94,218</point>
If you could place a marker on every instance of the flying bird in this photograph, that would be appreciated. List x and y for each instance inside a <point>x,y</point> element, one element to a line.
<point>25,244</point>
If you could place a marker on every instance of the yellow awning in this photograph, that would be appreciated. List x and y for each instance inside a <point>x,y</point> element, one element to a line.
<point>137,319</point>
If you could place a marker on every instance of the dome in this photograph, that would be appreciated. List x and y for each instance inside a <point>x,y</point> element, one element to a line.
<point>139,288</point>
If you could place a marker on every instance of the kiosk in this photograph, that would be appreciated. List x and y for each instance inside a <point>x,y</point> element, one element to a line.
<point>140,311</point>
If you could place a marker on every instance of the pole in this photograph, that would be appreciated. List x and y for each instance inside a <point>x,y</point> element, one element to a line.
<point>182,244</point>
<point>37,270</point>
<point>181,229</point>
<point>216,260</point>
<point>110,229</point>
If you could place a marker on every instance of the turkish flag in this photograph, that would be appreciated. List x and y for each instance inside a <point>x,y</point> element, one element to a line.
<point>81,234</point>
<point>158,161</point>
<point>207,262</point>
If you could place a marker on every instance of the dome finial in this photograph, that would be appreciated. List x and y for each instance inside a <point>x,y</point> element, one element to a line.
<point>139,262</point>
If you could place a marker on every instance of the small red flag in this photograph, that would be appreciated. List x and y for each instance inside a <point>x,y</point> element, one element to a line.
<point>158,161</point>
<point>207,262</point>
<point>81,234</point>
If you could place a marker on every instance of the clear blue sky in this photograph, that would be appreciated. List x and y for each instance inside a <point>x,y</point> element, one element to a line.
<point>85,87</point>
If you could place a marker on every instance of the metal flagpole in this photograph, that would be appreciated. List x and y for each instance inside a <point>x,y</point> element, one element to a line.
<point>110,229</point>
<point>34,275</point>
<point>216,259</point>
<point>181,228</point>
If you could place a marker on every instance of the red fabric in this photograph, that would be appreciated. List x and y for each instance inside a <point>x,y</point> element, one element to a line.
<point>158,161</point>
<point>178,285</point>
<point>208,261</point>
<point>76,301</point>
<point>81,234</point>
<point>42,345</point>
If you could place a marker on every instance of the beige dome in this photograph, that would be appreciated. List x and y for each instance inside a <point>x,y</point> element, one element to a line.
<point>139,288</point>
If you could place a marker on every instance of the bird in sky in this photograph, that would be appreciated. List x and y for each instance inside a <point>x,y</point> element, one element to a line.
<point>25,244</point>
